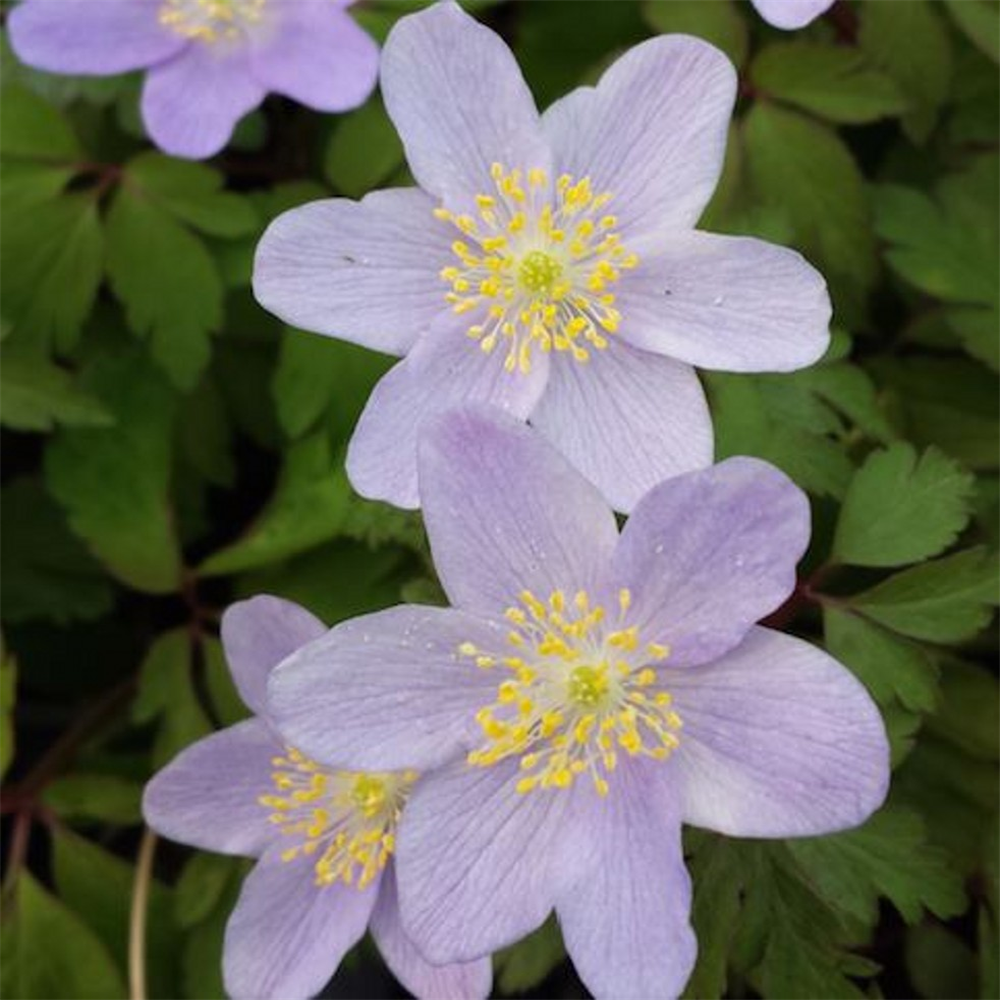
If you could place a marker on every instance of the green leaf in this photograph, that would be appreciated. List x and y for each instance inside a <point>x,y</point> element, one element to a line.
<point>52,254</point>
<point>889,666</point>
<point>114,481</point>
<point>525,965</point>
<point>168,283</point>
<point>8,698</point>
<point>201,961</point>
<point>947,600</point>
<point>969,716</point>
<point>888,856</point>
<point>226,703</point>
<point>200,887</point>
<point>46,572</point>
<point>831,81</point>
<point>33,129</point>
<point>193,193</point>
<point>103,797</point>
<point>51,952</point>
<point>363,150</point>
<point>307,509</point>
<point>35,395</point>
<point>850,390</point>
<point>980,20</point>
<point>166,694</point>
<point>940,964</point>
<point>901,507</point>
<point>909,41</point>
<point>719,23</point>
<point>803,169</point>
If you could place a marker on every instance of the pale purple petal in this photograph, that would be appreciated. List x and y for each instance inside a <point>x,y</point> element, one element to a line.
<point>627,420</point>
<point>652,133</point>
<point>505,512</point>
<point>456,95</point>
<point>257,635</point>
<point>708,554</point>
<point>207,795</point>
<point>463,981</point>
<point>191,104</point>
<point>446,369</point>
<point>287,935</point>
<point>731,303</point>
<point>360,271</point>
<point>91,37</point>
<point>791,14</point>
<point>386,691</point>
<point>626,924</point>
<point>779,740</point>
<point>317,56</point>
<point>480,866</point>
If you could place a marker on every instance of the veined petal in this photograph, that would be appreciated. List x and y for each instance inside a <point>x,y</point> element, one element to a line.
<point>463,981</point>
<point>727,302</point>
<point>386,691</point>
<point>506,513</point>
<point>192,103</point>
<point>626,924</point>
<point>779,740</point>
<point>791,14</point>
<point>317,56</point>
<point>708,554</point>
<point>363,271</point>
<point>287,935</point>
<point>207,795</point>
<point>90,37</point>
<point>257,635</point>
<point>480,866</point>
<point>652,132</point>
<point>627,420</point>
<point>446,369</point>
<point>456,95</point>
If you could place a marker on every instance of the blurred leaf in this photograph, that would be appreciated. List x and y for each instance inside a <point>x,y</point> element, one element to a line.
<point>719,23</point>
<point>946,600</point>
<point>980,20</point>
<point>78,967</point>
<point>939,963</point>
<point>95,797</point>
<point>901,507</point>
<point>908,39</point>
<point>8,699</point>
<point>888,665</point>
<point>831,81</point>
<point>804,169</point>
<point>363,150</point>
<point>200,887</point>
<point>888,856</point>
<point>167,281</point>
<point>523,966</point>
<point>35,395</point>
<point>30,128</point>
<point>166,693</point>
<point>114,481</point>
<point>969,716</point>
<point>225,700</point>
<point>193,193</point>
<point>201,958</point>
<point>850,390</point>
<point>46,573</point>
<point>307,509</point>
<point>205,434</point>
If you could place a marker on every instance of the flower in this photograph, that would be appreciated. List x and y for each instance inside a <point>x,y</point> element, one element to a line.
<point>587,693</point>
<point>791,14</point>
<point>549,266</point>
<point>210,61</point>
<point>323,838</point>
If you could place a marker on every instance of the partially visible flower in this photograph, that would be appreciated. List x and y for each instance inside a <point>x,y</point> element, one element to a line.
<point>550,265</point>
<point>791,14</point>
<point>588,693</point>
<point>210,62</point>
<point>324,839</point>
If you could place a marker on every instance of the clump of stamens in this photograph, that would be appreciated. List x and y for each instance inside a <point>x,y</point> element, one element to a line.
<point>579,693</point>
<point>345,821</point>
<point>538,260</point>
<point>210,20</point>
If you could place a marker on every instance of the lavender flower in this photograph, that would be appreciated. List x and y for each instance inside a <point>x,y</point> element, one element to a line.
<point>587,693</point>
<point>549,265</point>
<point>791,14</point>
<point>210,61</point>
<point>324,838</point>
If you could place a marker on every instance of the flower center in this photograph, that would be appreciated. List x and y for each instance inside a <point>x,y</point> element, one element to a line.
<point>579,693</point>
<point>210,20</point>
<point>344,821</point>
<point>535,267</point>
